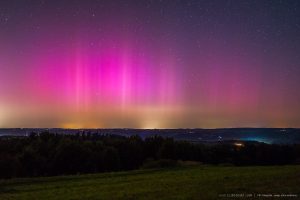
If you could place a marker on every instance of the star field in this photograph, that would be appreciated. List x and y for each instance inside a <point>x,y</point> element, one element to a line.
<point>149,63</point>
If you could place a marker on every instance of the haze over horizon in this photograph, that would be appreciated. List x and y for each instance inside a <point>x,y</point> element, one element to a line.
<point>149,63</point>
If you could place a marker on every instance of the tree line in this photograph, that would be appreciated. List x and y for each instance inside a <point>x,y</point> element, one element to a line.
<point>48,154</point>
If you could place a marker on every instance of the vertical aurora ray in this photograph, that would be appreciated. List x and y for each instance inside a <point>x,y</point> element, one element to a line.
<point>86,81</point>
<point>149,64</point>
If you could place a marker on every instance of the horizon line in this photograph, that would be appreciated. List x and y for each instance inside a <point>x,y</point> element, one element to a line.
<point>152,128</point>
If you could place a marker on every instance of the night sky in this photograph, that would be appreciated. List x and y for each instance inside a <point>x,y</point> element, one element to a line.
<point>149,63</point>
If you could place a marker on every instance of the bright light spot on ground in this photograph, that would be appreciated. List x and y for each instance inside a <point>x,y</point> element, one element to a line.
<point>239,144</point>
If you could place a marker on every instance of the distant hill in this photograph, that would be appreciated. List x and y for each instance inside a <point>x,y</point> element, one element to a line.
<point>266,135</point>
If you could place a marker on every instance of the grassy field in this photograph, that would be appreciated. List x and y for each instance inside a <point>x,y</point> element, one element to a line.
<point>197,182</point>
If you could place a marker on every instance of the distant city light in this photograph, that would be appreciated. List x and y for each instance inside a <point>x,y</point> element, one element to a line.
<point>239,144</point>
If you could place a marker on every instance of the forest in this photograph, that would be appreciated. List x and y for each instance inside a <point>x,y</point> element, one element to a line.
<point>48,154</point>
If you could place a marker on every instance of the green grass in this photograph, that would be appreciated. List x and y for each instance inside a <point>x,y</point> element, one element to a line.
<point>197,182</point>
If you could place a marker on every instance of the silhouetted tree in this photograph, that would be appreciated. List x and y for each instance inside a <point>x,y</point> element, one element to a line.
<point>48,154</point>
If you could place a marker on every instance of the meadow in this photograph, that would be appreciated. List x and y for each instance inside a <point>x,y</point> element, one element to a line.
<point>190,182</point>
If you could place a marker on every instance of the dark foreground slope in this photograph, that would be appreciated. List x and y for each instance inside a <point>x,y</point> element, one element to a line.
<point>204,182</point>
